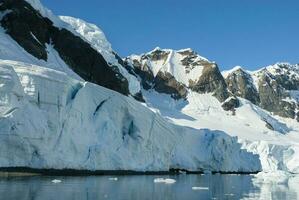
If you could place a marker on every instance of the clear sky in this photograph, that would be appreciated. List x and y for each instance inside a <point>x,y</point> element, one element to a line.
<point>250,33</point>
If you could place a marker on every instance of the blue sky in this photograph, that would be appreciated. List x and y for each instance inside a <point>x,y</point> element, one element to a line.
<point>250,33</point>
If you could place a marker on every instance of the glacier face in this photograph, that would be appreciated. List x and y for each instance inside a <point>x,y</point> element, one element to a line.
<point>49,120</point>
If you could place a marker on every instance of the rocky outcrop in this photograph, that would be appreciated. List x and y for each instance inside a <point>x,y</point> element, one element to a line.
<point>230,104</point>
<point>166,83</point>
<point>175,72</point>
<point>211,80</point>
<point>163,82</point>
<point>273,97</point>
<point>32,31</point>
<point>272,90</point>
<point>240,83</point>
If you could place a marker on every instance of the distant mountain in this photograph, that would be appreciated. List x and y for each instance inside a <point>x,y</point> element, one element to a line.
<point>173,72</point>
<point>273,88</point>
<point>68,101</point>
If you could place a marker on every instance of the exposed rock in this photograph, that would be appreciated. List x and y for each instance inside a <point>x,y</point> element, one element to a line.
<point>272,97</point>
<point>269,126</point>
<point>33,31</point>
<point>240,83</point>
<point>163,82</point>
<point>174,72</point>
<point>286,75</point>
<point>230,104</point>
<point>211,80</point>
<point>272,91</point>
<point>166,83</point>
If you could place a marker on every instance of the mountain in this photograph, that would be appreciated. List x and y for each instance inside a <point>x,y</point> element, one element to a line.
<point>33,34</point>
<point>69,101</point>
<point>174,72</point>
<point>273,88</point>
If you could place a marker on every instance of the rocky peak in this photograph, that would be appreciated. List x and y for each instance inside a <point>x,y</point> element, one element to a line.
<point>272,87</point>
<point>185,68</point>
<point>286,74</point>
<point>240,83</point>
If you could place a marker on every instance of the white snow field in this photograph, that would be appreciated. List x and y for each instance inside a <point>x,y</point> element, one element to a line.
<point>49,120</point>
<point>277,149</point>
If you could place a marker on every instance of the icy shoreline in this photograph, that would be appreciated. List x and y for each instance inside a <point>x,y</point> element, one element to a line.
<point>76,172</point>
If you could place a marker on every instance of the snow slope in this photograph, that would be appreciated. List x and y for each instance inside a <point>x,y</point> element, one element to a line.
<point>10,50</point>
<point>49,120</point>
<point>278,149</point>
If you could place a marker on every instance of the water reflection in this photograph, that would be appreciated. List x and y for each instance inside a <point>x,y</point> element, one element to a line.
<point>143,187</point>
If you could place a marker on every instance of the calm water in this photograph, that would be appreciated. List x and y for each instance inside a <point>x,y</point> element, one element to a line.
<point>143,187</point>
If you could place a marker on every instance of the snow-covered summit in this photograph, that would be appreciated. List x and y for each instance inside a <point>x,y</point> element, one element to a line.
<point>45,12</point>
<point>185,64</point>
<point>274,87</point>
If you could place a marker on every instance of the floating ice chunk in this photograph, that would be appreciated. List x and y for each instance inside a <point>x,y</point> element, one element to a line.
<point>166,180</point>
<point>56,181</point>
<point>113,179</point>
<point>200,188</point>
<point>230,194</point>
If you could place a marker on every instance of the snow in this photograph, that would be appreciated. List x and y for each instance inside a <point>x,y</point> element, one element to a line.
<point>10,50</point>
<point>172,64</point>
<point>36,4</point>
<point>96,38</point>
<point>228,72</point>
<point>50,120</point>
<point>278,149</point>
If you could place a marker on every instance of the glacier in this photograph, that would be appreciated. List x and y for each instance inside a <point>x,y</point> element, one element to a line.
<point>51,121</point>
<point>50,118</point>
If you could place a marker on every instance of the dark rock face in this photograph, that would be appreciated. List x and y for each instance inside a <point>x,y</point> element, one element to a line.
<point>273,90</point>
<point>190,60</point>
<point>272,96</point>
<point>32,32</point>
<point>166,83</point>
<point>231,104</point>
<point>240,83</point>
<point>268,125</point>
<point>211,80</point>
<point>286,77</point>
<point>162,82</point>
